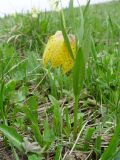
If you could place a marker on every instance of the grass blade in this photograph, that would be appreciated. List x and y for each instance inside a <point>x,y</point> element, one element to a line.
<point>78,72</point>
<point>86,7</point>
<point>78,79</point>
<point>67,42</point>
<point>110,151</point>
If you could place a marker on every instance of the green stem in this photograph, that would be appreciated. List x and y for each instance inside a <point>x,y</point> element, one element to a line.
<point>2,112</point>
<point>75,116</point>
<point>2,89</point>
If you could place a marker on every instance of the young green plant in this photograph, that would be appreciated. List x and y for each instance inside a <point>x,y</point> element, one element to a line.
<point>80,58</point>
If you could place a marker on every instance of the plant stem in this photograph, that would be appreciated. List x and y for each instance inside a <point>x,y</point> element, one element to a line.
<point>2,90</point>
<point>75,116</point>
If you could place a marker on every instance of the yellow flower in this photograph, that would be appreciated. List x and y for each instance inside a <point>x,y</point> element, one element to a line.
<point>57,54</point>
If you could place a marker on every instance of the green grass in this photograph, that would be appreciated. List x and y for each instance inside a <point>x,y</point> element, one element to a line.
<point>38,117</point>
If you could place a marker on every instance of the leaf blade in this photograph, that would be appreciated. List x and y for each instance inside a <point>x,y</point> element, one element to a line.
<point>78,72</point>
<point>15,138</point>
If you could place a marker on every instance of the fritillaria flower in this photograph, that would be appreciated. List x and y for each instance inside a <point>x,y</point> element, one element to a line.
<point>57,54</point>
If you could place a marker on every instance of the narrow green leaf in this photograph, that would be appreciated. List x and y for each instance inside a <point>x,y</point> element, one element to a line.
<point>57,119</point>
<point>34,124</point>
<point>80,27</point>
<point>49,136</point>
<point>67,42</point>
<point>72,15</point>
<point>78,72</point>
<point>15,138</point>
<point>36,131</point>
<point>87,44</point>
<point>88,138</point>
<point>58,153</point>
<point>77,23</point>
<point>111,23</point>
<point>97,146</point>
<point>75,129</point>
<point>93,49</point>
<point>86,7</point>
<point>110,151</point>
<point>81,122</point>
<point>67,119</point>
